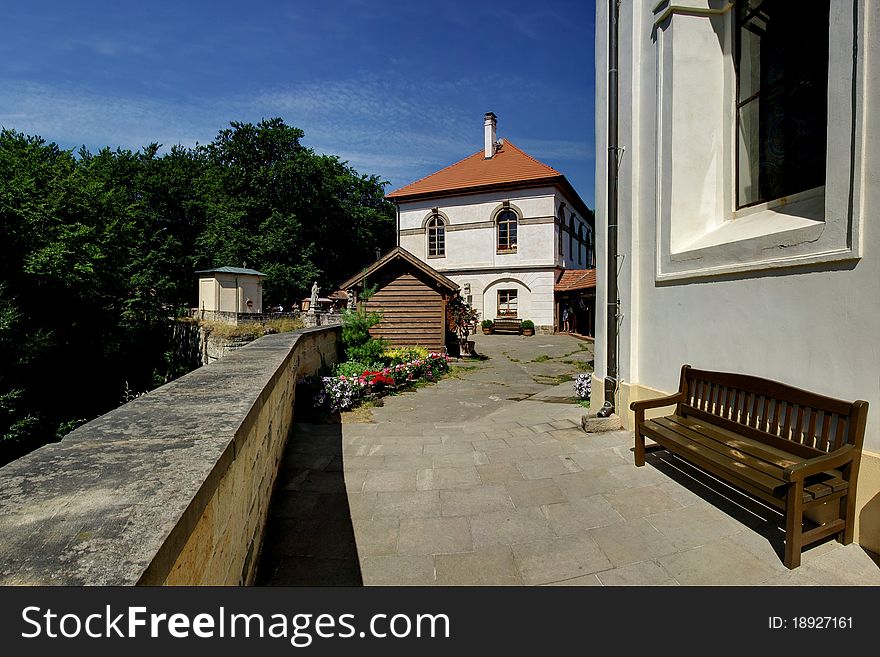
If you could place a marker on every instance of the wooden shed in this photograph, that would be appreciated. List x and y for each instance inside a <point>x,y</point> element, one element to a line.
<point>411,296</point>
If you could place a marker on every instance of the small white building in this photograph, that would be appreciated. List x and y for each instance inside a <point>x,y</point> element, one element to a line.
<point>500,224</point>
<point>749,196</point>
<point>230,290</point>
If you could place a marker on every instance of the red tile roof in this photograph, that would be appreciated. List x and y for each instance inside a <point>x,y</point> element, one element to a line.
<point>576,279</point>
<point>508,165</point>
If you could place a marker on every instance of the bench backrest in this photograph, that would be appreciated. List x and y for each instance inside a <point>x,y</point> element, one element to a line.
<point>801,422</point>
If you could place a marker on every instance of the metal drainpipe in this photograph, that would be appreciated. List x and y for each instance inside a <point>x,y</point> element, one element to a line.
<point>612,301</point>
<point>397,205</point>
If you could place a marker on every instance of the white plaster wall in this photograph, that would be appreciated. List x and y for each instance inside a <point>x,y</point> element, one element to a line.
<point>207,294</point>
<point>228,293</point>
<point>814,326</point>
<point>534,292</point>
<point>251,288</point>
<point>476,247</point>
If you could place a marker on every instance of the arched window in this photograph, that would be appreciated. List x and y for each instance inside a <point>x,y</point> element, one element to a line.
<point>506,221</point>
<point>582,244</point>
<point>436,237</point>
<point>590,264</point>
<point>571,237</point>
<point>560,222</point>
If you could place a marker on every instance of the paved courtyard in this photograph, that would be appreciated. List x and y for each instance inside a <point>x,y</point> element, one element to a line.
<point>487,478</point>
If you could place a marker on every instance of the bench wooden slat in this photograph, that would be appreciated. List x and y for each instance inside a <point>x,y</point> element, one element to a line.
<point>839,433</point>
<point>817,490</point>
<point>790,446</point>
<point>810,438</point>
<point>826,430</point>
<point>736,452</point>
<point>797,434</point>
<point>773,389</point>
<point>668,437</point>
<point>835,482</point>
<point>778,457</point>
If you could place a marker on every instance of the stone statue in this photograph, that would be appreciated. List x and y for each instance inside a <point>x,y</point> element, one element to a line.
<point>313,303</point>
<point>352,299</point>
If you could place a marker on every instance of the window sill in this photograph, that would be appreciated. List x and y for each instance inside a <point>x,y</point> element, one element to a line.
<point>433,257</point>
<point>505,251</point>
<point>772,235</point>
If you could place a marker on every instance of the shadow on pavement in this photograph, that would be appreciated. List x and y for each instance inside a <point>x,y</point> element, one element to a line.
<point>309,537</point>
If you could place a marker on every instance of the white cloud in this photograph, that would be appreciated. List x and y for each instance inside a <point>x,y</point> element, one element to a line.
<point>397,129</point>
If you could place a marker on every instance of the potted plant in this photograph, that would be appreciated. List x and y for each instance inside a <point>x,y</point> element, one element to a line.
<point>462,318</point>
<point>527,327</point>
<point>488,326</point>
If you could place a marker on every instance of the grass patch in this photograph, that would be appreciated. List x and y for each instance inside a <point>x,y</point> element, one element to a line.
<point>580,365</point>
<point>543,358</point>
<point>583,402</point>
<point>251,330</point>
<point>552,380</point>
<point>458,372</point>
<point>363,414</point>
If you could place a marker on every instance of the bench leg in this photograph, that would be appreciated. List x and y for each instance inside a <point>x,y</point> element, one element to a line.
<point>794,524</point>
<point>640,449</point>
<point>848,508</point>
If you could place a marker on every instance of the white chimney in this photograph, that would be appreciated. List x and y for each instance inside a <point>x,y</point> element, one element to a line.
<point>489,134</point>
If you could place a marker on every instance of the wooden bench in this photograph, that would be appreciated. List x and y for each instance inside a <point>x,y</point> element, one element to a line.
<point>507,324</point>
<point>789,448</point>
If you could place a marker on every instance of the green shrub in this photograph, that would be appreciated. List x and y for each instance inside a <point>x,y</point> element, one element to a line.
<point>356,368</point>
<point>487,323</point>
<point>527,324</point>
<point>356,339</point>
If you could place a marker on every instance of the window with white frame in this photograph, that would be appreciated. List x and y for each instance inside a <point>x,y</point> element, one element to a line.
<point>758,117</point>
<point>781,110</point>
<point>506,303</point>
<point>560,223</point>
<point>507,224</point>
<point>582,245</point>
<point>436,228</point>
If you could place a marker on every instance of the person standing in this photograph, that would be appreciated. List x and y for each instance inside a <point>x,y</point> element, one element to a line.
<point>566,316</point>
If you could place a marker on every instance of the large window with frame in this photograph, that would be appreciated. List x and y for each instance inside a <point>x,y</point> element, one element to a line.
<point>582,244</point>
<point>436,237</point>
<point>560,222</point>
<point>507,223</point>
<point>781,105</point>
<point>506,303</point>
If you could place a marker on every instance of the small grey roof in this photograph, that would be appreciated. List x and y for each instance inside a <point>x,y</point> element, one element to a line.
<point>231,270</point>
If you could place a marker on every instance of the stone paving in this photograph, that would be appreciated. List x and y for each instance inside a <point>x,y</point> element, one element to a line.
<point>486,478</point>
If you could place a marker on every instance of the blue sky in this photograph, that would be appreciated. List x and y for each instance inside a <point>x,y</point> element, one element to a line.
<point>398,89</point>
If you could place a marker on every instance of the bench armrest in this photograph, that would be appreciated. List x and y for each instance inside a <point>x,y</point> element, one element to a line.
<point>819,464</point>
<point>642,404</point>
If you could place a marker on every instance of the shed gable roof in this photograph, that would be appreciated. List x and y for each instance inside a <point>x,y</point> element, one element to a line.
<point>231,270</point>
<point>395,254</point>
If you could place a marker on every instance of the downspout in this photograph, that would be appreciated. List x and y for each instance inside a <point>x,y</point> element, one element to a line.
<point>397,205</point>
<point>612,297</point>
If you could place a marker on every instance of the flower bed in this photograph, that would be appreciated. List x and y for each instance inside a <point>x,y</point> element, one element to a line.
<point>342,393</point>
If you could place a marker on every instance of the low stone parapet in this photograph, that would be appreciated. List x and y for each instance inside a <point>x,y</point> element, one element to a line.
<point>171,488</point>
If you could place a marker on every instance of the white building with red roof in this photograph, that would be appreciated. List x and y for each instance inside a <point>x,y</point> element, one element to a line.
<point>502,225</point>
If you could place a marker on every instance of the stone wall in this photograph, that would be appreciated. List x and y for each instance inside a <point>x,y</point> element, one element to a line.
<point>171,488</point>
